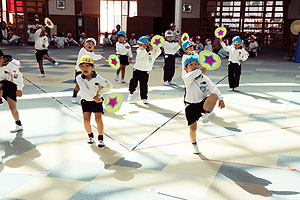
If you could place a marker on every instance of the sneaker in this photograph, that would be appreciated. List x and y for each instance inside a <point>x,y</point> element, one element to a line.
<point>236,89</point>
<point>116,79</point>
<point>122,81</point>
<point>130,97</point>
<point>56,63</point>
<point>18,128</point>
<point>90,140</point>
<point>172,83</point>
<point>41,75</point>
<point>195,149</point>
<point>101,144</point>
<point>208,117</point>
<point>145,101</point>
<point>166,83</point>
<point>230,89</point>
<point>74,99</point>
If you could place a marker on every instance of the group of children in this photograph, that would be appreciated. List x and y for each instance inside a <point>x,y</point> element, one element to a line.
<point>200,97</point>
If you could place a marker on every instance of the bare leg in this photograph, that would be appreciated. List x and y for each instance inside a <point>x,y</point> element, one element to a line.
<point>87,120</point>
<point>48,58</point>
<point>76,87</point>
<point>98,119</point>
<point>13,108</point>
<point>210,102</point>
<point>193,130</point>
<point>123,71</point>
<point>41,66</point>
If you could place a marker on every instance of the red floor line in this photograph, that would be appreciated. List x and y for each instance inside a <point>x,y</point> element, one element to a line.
<point>218,137</point>
<point>67,107</point>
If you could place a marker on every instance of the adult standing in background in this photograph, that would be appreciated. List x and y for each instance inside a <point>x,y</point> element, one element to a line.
<point>4,33</point>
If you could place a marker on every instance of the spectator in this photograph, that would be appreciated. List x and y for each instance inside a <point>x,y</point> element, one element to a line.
<point>106,40</point>
<point>4,33</point>
<point>113,37</point>
<point>31,39</point>
<point>82,39</point>
<point>208,45</point>
<point>60,40</point>
<point>70,41</point>
<point>132,40</point>
<point>216,46</point>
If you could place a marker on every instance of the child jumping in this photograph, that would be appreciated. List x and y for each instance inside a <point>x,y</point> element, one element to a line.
<point>144,62</point>
<point>123,51</point>
<point>237,55</point>
<point>88,50</point>
<point>11,85</point>
<point>92,87</point>
<point>41,47</point>
<point>196,98</point>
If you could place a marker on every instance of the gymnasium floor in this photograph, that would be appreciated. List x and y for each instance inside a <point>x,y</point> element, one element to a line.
<point>250,151</point>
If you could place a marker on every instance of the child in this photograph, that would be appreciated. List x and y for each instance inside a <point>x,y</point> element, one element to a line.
<point>53,39</point>
<point>113,37</point>
<point>31,39</point>
<point>60,40</point>
<point>11,83</point>
<point>237,55</point>
<point>41,47</point>
<point>144,62</point>
<point>132,40</point>
<point>170,49</point>
<point>199,46</point>
<point>70,41</point>
<point>13,39</point>
<point>208,45</point>
<point>188,49</point>
<point>196,98</point>
<point>88,50</point>
<point>92,87</point>
<point>106,40</point>
<point>253,46</point>
<point>82,39</point>
<point>123,51</point>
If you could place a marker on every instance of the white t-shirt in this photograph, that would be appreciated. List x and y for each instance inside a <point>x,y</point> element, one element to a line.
<point>144,60</point>
<point>171,47</point>
<point>121,49</point>
<point>60,41</point>
<point>84,52</point>
<point>235,55</point>
<point>40,41</point>
<point>11,72</point>
<point>253,45</point>
<point>89,88</point>
<point>198,86</point>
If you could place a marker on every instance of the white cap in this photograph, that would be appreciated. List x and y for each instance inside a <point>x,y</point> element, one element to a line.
<point>168,33</point>
<point>91,40</point>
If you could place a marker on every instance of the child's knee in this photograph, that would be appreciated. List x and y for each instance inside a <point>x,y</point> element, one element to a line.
<point>214,97</point>
<point>98,117</point>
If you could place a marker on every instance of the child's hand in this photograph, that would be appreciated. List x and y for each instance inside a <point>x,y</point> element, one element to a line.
<point>19,93</point>
<point>130,59</point>
<point>241,61</point>
<point>103,59</point>
<point>180,43</point>
<point>221,104</point>
<point>221,40</point>
<point>127,47</point>
<point>151,49</point>
<point>43,46</point>
<point>97,99</point>
<point>203,70</point>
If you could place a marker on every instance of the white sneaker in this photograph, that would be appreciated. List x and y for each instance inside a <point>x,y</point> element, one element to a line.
<point>130,97</point>
<point>18,128</point>
<point>74,99</point>
<point>41,75</point>
<point>56,63</point>
<point>116,79</point>
<point>208,117</point>
<point>90,140</point>
<point>236,89</point>
<point>122,81</point>
<point>230,89</point>
<point>172,83</point>
<point>101,144</point>
<point>166,83</point>
<point>145,101</point>
<point>195,149</point>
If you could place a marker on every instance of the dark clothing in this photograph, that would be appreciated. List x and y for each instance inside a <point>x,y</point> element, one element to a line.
<point>91,106</point>
<point>40,53</point>
<point>123,59</point>
<point>9,90</point>
<point>194,111</point>
<point>234,73</point>
<point>169,68</point>
<point>142,77</point>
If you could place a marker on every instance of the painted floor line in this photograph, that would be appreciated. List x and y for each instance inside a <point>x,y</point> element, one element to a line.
<point>67,107</point>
